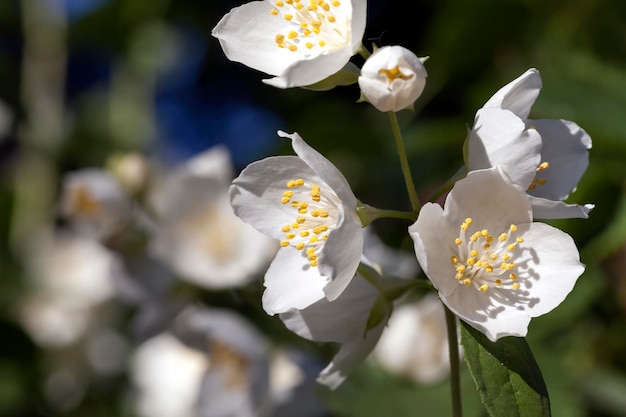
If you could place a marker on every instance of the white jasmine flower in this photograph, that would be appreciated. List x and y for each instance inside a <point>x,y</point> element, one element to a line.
<point>300,42</point>
<point>307,204</point>
<point>167,376</point>
<point>392,78</point>
<point>545,157</point>
<point>212,363</point>
<point>197,233</point>
<point>415,343</point>
<point>70,275</point>
<point>344,321</point>
<point>492,266</point>
<point>94,203</point>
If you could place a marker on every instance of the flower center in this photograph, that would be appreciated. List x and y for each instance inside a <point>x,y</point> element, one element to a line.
<point>211,231</point>
<point>316,216</point>
<point>234,366</point>
<point>83,202</point>
<point>319,25</point>
<point>394,74</point>
<point>483,261</point>
<point>539,181</point>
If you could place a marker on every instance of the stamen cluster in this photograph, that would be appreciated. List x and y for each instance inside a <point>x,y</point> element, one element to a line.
<point>316,218</point>
<point>539,181</point>
<point>314,26</point>
<point>483,261</point>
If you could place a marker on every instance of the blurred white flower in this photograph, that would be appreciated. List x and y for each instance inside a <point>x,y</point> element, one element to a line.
<point>415,342</point>
<point>211,364</point>
<point>196,232</point>
<point>70,276</point>
<point>299,42</point>
<point>492,265</point>
<point>167,376</point>
<point>392,78</point>
<point>545,157</point>
<point>94,203</point>
<point>131,169</point>
<point>307,204</point>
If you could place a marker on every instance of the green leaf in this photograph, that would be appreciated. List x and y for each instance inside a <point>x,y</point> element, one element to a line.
<point>380,310</point>
<point>506,374</point>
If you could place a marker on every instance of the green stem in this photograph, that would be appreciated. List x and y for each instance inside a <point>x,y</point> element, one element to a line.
<point>461,173</point>
<point>404,162</point>
<point>364,52</point>
<point>396,214</point>
<point>368,214</point>
<point>455,376</point>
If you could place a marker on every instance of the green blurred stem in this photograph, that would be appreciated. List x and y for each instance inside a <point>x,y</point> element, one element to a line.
<point>44,126</point>
<point>455,375</point>
<point>404,162</point>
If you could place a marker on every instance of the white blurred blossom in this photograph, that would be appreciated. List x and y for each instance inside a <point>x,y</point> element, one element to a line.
<point>415,342</point>
<point>70,277</point>
<point>94,203</point>
<point>212,363</point>
<point>196,232</point>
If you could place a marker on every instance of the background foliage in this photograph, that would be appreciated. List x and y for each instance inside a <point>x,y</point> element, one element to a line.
<point>146,75</point>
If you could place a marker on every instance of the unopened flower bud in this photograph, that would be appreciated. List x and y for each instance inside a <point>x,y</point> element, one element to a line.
<point>392,78</point>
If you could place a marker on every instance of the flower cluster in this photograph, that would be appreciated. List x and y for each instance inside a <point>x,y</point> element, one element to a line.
<point>491,263</point>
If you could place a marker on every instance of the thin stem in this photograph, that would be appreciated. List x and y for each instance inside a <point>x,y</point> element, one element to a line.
<point>42,94</point>
<point>404,162</point>
<point>368,214</point>
<point>455,376</point>
<point>364,52</point>
<point>396,214</point>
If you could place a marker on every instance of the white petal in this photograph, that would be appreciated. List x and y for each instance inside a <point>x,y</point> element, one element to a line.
<point>554,268</point>
<point>478,310</point>
<point>549,209</point>
<point>433,247</point>
<point>339,321</point>
<point>489,199</point>
<point>256,194</point>
<point>566,148</point>
<point>519,95</point>
<point>499,137</point>
<point>359,15</point>
<point>247,35</point>
<point>322,167</point>
<point>305,72</point>
<point>341,254</point>
<point>291,283</point>
<point>349,357</point>
<point>342,321</point>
